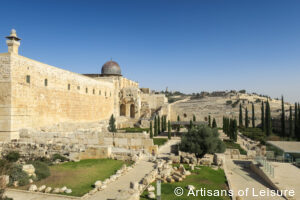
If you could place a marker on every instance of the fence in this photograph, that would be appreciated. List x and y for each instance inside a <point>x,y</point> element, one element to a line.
<point>267,167</point>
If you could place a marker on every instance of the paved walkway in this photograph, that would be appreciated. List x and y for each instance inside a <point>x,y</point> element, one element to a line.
<point>287,176</point>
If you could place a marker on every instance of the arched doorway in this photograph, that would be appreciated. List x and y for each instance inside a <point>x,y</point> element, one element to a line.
<point>132,111</point>
<point>122,110</point>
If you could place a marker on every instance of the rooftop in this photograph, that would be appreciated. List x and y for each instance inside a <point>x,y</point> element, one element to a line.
<point>286,146</point>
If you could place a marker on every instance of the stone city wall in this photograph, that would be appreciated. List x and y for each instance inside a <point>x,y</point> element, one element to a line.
<point>42,95</point>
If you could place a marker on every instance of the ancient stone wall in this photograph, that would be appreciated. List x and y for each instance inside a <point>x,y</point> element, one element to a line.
<point>5,96</point>
<point>78,141</point>
<point>42,95</point>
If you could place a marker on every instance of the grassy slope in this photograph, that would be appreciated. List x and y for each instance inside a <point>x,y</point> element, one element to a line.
<point>159,141</point>
<point>205,177</point>
<point>80,176</point>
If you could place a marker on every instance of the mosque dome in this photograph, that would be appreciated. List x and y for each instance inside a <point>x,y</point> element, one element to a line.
<point>111,68</point>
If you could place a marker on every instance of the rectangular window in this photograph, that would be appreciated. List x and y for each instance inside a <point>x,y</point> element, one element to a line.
<point>99,92</point>
<point>27,79</point>
<point>46,82</point>
<point>105,93</point>
<point>78,87</point>
<point>93,91</point>
<point>69,86</point>
<point>86,90</point>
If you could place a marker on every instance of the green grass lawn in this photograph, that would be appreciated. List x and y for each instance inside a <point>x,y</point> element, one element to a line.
<point>159,141</point>
<point>80,176</point>
<point>205,177</point>
<point>232,145</point>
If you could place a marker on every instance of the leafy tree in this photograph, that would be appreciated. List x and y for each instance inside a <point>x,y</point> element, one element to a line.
<point>209,121</point>
<point>194,118</point>
<point>169,129</point>
<point>112,124</point>
<point>246,118</point>
<point>283,134</point>
<point>12,156</point>
<point>201,140</point>
<point>151,131</point>
<point>263,125</point>
<point>214,123</point>
<point>253,116</point>
<point>291,122</point>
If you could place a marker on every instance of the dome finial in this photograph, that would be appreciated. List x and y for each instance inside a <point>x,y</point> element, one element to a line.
<point>13,33</point>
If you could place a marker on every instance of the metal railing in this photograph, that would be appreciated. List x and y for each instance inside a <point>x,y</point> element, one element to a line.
<point>267,167</point>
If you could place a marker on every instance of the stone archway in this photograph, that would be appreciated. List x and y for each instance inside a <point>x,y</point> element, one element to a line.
<point>122,110</point>
<point>132,111</point>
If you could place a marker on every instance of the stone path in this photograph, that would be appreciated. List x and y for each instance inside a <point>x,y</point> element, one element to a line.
<point>142,168</point>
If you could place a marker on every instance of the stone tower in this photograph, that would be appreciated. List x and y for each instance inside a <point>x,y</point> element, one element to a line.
<point>13,42</point>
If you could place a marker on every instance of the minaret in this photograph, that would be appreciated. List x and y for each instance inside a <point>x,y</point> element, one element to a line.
<point>13,42</point>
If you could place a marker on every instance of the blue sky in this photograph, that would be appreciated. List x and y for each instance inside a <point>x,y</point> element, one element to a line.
<point>186,45</point>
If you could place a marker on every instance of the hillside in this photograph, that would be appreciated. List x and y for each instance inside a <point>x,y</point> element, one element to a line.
<point>222,104</point>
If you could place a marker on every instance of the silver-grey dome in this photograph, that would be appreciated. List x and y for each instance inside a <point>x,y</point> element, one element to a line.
<point>111,68</point>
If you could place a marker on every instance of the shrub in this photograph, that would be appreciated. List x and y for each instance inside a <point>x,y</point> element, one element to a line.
<point>17,174</point>
<point>12,156</point>
<point>228,102</point>
<point>201,140</point>
<point>60,157</point>
<point>41,170</point>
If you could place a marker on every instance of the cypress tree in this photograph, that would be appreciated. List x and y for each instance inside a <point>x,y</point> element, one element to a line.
<point>194,118</point>
<point>246,118</point>
<point>291,123</point>
<point>235,129</point>
<point>151,131</point>
<point>253,116</point>
<point>155,127</point>
<point>263,125</point>
<point>191,125</point>
<point>169,129</point>
<point>165,122</point>
<point>158,125</point>
<point>298,133</point>
<point>296,121</point>
<point>241,116</point>
<point>214,123</point>
<point>223,127</point>
<point>178,127</point>
<point>268,119</point>
<point>283,134</point>
<point>209,121</point>
<point>112,124</point>
<point>230,129</point>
